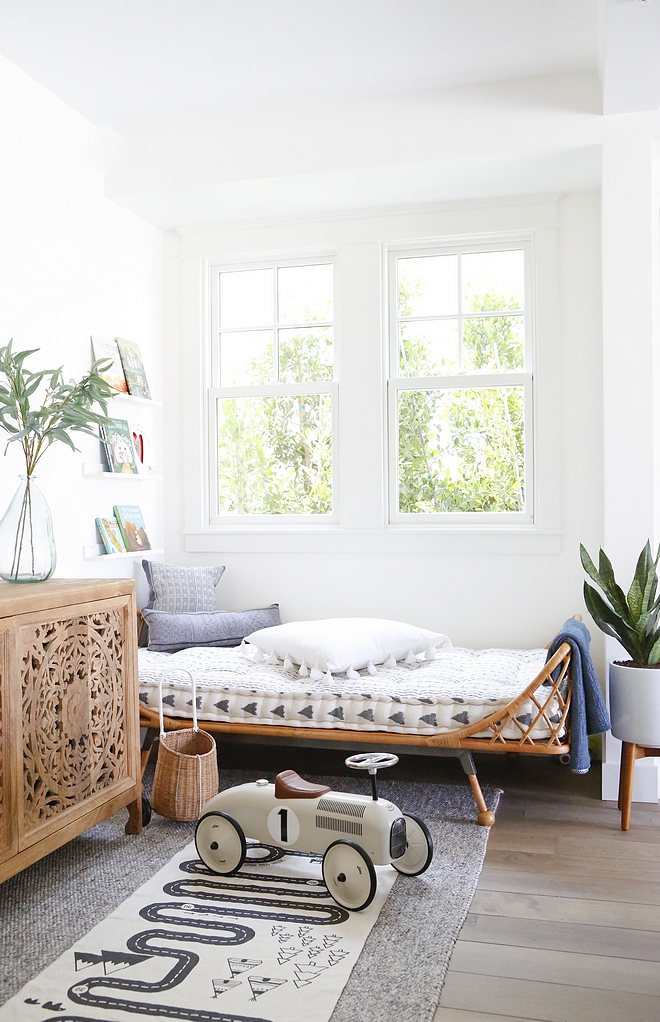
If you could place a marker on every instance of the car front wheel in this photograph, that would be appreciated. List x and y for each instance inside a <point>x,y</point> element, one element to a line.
<point>349,875</point>
<point>220,843</point>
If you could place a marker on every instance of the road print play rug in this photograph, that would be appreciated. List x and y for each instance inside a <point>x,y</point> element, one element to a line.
<point>268,945</point>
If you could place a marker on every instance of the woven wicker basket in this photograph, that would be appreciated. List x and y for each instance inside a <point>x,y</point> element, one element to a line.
<point>187,767</point>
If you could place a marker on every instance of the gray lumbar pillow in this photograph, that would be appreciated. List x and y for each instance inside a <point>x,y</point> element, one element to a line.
<point>171,632</point>
<point>179,589</point>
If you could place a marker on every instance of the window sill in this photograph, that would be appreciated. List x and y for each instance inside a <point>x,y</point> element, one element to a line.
<point>522,539</point>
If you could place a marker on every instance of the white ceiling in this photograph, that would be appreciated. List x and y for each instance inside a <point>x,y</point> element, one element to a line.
<point>229,109</point>
<point>136,62</point>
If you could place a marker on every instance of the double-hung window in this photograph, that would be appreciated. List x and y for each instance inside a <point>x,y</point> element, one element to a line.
<point>460,387</point>
<point>273,404</point>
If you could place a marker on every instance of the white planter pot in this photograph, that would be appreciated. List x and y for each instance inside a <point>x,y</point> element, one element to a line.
<point>635,704</point>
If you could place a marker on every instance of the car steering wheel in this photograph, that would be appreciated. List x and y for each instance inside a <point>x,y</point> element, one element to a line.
<point>373,762</point>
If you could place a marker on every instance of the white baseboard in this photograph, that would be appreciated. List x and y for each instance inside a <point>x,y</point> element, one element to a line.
<point>646,787</point>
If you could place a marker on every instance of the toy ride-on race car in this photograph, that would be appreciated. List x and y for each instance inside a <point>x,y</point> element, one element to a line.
<point>352,832</point>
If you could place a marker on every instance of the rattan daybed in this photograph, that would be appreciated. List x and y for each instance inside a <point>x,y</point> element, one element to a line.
<point>546,701</point>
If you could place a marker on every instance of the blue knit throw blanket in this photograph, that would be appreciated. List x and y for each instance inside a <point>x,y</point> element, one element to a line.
<point>588,712</point>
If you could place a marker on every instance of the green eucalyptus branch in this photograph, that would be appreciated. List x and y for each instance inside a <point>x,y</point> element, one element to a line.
<point>65,408</point>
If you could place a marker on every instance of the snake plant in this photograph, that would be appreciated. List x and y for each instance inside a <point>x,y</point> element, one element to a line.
<point>632,619</point>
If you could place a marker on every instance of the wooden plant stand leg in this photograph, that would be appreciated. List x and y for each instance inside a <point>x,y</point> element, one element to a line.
<point>629,754</point>
<point>626,777</point>
<point>485,816</point>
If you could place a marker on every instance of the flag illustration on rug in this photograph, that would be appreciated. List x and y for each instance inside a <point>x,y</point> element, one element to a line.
<point>239,965</point>
<point>220,986</point>
<point>262,984</point>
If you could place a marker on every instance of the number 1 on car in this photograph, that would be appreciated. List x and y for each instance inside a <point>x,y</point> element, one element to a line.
<point>283,825</point>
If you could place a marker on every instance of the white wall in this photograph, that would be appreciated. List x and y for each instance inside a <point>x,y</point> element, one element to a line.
<point>72,263</point>
<point>479,592</point>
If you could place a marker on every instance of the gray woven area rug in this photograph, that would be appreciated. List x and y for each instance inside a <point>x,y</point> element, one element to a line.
<point>401,969</point>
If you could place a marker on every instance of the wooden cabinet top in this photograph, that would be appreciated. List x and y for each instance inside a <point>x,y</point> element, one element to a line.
<point>25,597</point>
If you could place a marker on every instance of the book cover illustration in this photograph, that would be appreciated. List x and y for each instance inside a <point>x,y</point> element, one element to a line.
<point>131,523</point>
<point>113,541</point>
<point>143,449</point>
<point>131,359</point>
<point>117,443</point>
<point>104,347</point>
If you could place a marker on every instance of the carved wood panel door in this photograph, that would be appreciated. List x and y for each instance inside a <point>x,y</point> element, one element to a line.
<point>76,712</point>
<point>8,842</point>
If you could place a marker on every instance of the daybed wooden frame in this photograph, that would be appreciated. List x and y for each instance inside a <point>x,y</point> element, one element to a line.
<point>460,743</point>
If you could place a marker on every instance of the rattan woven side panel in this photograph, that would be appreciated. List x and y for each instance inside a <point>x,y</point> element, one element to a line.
<point>72,682</point>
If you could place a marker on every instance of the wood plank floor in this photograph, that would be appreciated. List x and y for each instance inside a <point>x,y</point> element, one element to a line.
<point>565,924</point>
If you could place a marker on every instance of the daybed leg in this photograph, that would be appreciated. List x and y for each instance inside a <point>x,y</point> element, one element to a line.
<point>149,740</point>
<point>485,816</point>
<point>134,823</point>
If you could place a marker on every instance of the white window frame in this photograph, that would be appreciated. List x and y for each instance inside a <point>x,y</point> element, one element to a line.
<point>216,391</point>
<point>461,381</point>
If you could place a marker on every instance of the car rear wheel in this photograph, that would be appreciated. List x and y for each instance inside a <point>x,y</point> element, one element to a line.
<point>419,848</point>
<point>349,875</point>
<point>220,843</point>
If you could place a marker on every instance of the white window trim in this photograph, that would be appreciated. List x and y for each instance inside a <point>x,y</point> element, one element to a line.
<point>364,524</point>
<point>461,381</point>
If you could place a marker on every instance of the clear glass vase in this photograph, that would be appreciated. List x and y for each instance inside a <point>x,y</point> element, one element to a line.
<point>27,543</point>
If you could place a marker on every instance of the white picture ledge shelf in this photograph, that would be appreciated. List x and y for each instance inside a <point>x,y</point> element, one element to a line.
<point>132,399</point>
<point>97,471</point>
<point>96,552</point>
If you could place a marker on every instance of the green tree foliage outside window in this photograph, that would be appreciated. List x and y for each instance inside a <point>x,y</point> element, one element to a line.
<point>459,449</point>
<point>275,451</point>
<point>462,450</point>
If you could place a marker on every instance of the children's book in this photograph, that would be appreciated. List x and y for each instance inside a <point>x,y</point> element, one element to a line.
<point>117,441</point>
<point>131,523</point>
<point>113,541</point>
<point>105,347</point>
<point>131,359</point>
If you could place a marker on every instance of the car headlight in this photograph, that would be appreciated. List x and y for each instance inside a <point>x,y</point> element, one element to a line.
<point>398,842</point>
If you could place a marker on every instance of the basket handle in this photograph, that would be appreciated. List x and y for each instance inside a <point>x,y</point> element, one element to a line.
<point>166,674</point>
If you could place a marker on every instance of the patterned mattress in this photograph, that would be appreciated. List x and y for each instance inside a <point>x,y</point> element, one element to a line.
<point>459,687</point>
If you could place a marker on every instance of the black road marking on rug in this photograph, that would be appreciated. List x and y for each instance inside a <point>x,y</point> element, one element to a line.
<point>161,912</point>
<point>218,877</point>
<point>326,915</point>
<point>84,992</point>
<point>275,854</point>
<point>179,888</point>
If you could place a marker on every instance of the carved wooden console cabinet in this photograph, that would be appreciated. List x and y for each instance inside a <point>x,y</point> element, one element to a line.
<point>69,729</point>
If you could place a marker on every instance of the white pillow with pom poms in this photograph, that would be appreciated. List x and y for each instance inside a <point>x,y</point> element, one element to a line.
<point>341,644</point>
